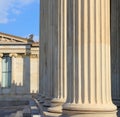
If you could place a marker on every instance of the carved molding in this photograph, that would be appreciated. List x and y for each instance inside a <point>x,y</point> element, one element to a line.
<point>5,39</point>
<point>34,56</point>
<point>20,55</point>
<point>14,50</point>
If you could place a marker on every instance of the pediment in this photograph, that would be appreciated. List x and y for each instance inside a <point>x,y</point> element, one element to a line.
<point>11,39</point>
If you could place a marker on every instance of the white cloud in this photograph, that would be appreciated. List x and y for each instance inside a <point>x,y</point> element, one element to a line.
<point>12,6</point>
<point>4,8</point>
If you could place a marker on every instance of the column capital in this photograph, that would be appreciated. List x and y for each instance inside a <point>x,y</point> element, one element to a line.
<point>1,55</point>
<point>13,55</point>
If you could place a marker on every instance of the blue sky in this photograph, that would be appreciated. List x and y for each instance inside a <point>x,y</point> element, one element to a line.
<point>20,17</point>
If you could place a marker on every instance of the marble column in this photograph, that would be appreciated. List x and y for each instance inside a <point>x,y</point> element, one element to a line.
<point>34,76</point>
<point>19,77</point>
<point>25,80</point>
<point>1,55</point>
<point>13,86</point>
<point>41,55</point>
<point>88,59</point>
<point>59,14</point>
<point>115,51</point>
<point>46,53</point>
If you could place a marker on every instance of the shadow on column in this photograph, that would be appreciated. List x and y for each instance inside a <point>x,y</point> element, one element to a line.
<point>115,54</point>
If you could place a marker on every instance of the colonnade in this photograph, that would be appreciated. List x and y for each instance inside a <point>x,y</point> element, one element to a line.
<point>75,57</point>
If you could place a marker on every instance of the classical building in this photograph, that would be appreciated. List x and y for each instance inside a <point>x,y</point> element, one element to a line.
<point>19,66</point>
<point>77,57</point>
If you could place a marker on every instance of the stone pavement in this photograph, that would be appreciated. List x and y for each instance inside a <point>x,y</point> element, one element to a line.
<point>11,111</point>
<point>17,111</point>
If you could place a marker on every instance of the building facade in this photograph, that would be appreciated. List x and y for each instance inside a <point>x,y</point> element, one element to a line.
<point>19,66</point>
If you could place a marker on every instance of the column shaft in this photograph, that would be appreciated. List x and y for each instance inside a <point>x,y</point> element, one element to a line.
<point>59,51</point>
<point>88,56</point>
<point>1,55</point>
<point>47,50</point>
<point>43,38</point>
<point>13,88</point>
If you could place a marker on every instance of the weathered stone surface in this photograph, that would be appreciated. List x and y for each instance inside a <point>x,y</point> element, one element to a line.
<point>80,49</point>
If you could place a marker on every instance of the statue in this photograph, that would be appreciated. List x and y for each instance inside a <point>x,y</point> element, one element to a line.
<point>31,36</point>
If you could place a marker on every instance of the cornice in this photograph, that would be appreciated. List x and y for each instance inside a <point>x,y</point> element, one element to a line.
<point>13,38</point>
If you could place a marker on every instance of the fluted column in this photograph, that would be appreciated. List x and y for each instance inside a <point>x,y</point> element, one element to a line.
<point>59,51</point>
<point>88,58</point>
<point>1,55</point>
<point>43,32</point>
<point>47,48</point>
<point>47,52</point>
<point>115,50</point>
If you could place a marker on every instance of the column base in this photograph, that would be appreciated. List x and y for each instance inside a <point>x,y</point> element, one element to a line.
<point>95,114</point>
<point>87,108</point>
<point>41,99</point>
<point>56,109</point>
<point>117,102</point>
<point>56,105</point>
<point>47,102</point>
<point>57,101</point>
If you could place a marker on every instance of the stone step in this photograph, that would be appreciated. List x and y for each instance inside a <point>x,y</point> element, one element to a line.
<point>26,112</point>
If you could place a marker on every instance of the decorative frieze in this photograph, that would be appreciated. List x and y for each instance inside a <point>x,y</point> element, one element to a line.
<point>10,50</point>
